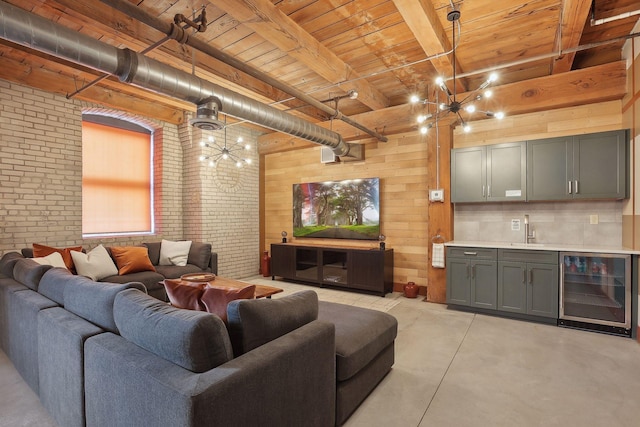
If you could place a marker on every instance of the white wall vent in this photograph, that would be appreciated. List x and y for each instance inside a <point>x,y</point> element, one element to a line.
<point>327,155</point>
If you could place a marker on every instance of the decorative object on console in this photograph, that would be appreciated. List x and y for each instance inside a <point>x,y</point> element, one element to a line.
<point>348,209</point>
<point>382,238</point>
<point>454,105</point>
<point>284,237</point>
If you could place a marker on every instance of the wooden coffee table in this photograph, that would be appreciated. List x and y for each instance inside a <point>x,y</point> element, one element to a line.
<point>262,291</point>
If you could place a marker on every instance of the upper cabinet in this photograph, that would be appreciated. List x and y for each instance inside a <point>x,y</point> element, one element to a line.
<point>591,166</point>
<point>493,173</point>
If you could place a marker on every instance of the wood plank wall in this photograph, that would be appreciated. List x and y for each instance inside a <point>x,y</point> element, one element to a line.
<point>404,170</point>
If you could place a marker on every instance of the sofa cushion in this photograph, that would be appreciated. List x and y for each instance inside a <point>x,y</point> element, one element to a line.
<point>175,272</point>
<point>54,259</point>
<point>95,264</point>
<point>185,295</point>
<point>154,251</point>
<point>131,259</point>
<point>253,323</point>
<point>200,255</point>
<point>216,299</point>
<point>28,272</point>
<point>150,279</point>
<point>174,253</point>
<point>53,283</point>
<point>195,340</point>
<point>7,262</point>
<point>43,250</point>
<point>361,334</point>
<point>93,301</point>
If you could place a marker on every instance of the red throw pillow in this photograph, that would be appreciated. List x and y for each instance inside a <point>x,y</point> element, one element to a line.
<point>215,299</point>
<point>131,259</point>
<point>42,251</point>
<point>185,295</point>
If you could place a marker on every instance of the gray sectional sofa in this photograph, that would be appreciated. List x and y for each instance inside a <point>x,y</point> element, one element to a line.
<point>201,259</point>
<point>108,354</point>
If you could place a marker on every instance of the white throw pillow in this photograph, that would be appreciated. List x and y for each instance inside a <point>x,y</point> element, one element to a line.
<point>54,259</point>
<point>95,264</point>
<point>174,253</point>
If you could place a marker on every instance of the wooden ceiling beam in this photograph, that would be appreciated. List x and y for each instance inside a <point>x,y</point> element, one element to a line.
<point>574,17</point>
<point>276,27</point>
<point>591,85</point>
<point>422,19</point>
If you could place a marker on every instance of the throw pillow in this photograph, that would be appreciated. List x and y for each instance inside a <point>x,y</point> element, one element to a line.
<point>185,295</point>
<point>54,259</point>
<point>215,299</point>
<point>131,259</point>
<point>43,250</point>
<point>174,253</point>
<point>95,264</point>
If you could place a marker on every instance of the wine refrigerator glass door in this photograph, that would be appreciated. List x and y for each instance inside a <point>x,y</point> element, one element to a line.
<point>596,289</point>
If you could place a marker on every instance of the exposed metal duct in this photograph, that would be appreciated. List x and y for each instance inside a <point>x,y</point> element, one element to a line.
<point>27,29</point>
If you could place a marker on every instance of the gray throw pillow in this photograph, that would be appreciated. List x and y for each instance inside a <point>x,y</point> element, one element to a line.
<point>253,323</point>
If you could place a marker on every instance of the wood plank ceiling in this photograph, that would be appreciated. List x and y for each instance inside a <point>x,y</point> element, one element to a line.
<point>385,50</point>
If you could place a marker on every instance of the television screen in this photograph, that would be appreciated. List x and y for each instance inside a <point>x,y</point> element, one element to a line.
<point>348,209</point>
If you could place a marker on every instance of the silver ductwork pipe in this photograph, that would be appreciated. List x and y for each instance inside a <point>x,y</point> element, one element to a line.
<point>27,29</point>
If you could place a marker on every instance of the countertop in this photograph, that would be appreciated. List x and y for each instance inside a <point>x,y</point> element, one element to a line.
<point>560,247</point>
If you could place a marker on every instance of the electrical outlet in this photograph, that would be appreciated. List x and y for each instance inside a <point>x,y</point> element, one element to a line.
<point>515,225</point>
<point>593,219</point>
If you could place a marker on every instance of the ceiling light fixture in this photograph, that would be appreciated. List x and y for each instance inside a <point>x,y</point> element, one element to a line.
<point>452,104</point>
<point>224,151</point>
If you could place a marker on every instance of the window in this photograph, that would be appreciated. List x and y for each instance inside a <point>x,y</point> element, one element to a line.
<point>116,177</point>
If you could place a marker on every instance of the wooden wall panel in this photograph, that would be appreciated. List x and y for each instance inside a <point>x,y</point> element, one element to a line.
<point>401,165</point>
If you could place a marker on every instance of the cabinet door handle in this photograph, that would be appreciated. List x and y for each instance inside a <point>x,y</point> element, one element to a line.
<point>576,185</point>
<point>489,191</point>
<point>473,271</point>
<point>524,275</point>
<point>569,187</point>
<point>483,191</point>
<point>471,253</point>
<point>531,276</point>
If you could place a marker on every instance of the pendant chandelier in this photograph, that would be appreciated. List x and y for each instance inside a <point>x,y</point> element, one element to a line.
<point>223,151</point>
<point>453,104</point>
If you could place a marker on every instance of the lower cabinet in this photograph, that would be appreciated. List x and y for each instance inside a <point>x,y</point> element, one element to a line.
<point>472,277</point>
<point>523,282</point>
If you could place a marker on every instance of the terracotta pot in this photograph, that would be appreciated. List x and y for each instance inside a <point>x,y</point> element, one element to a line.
<point>265,264</point>
<point>411,290</point>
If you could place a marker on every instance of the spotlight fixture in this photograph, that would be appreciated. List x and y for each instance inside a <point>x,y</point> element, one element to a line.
<point>452,104</point>
<point>224,151</point>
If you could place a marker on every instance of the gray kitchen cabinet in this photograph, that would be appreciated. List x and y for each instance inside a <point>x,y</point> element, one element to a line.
<point>528,282</point>
<point>590,166</point>
<point>492,173</point>
<point>472,277</point>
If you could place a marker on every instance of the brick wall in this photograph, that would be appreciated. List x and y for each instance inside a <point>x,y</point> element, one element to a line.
<point>41,182</point>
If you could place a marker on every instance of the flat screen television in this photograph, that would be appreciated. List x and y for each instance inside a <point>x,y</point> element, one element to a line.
<point>348,209</point>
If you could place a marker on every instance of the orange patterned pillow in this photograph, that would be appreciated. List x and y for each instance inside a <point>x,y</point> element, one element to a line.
<point>185,295</point>
<point>131,259</point>
<point>215,299</point>
<point>42,251</point>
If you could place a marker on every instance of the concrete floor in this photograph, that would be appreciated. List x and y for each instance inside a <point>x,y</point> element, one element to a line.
<point>459,369</point>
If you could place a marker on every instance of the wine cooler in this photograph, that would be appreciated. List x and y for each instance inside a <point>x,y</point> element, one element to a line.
<point>595,292</point>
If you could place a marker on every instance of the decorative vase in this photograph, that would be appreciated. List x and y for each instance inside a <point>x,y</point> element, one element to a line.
<point>410,290</point>
<point>265,264</point>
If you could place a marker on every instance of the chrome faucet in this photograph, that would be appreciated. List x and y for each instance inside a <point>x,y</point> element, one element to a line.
<point>528,235</point>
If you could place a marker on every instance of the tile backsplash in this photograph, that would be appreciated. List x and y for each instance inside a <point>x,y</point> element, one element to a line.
<point>556,223</point>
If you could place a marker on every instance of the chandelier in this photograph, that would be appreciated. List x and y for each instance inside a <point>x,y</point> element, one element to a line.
<point>453,104</point>
<point>224,151</point>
